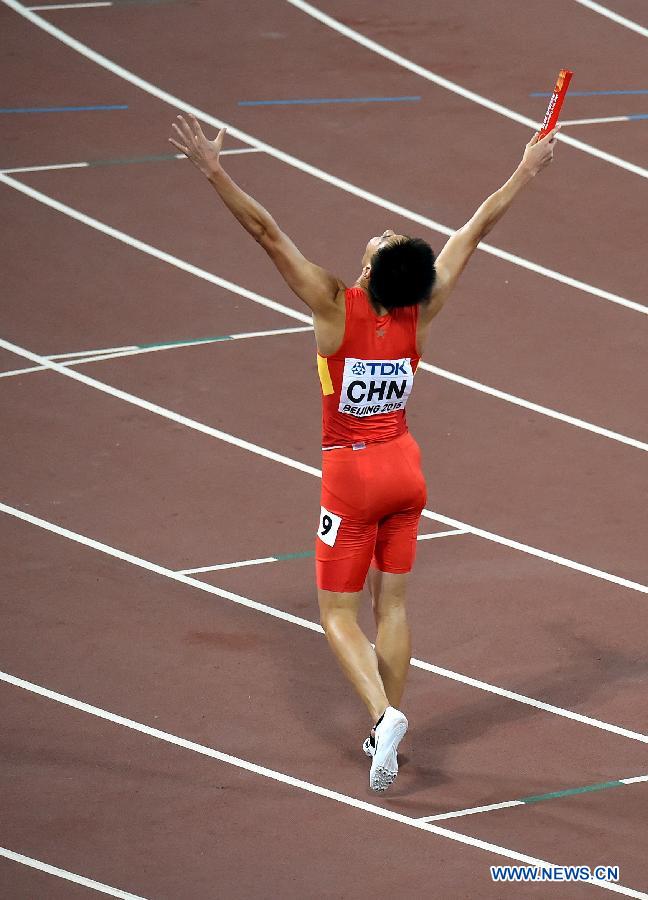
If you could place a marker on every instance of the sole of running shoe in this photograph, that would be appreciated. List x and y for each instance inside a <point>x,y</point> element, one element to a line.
<point>384,767</point>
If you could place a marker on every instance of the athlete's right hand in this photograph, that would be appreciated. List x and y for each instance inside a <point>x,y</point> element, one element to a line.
<point>195,146</point>
<point>539,153</point>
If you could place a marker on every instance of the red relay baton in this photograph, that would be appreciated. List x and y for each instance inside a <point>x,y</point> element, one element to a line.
<point>556,102</point>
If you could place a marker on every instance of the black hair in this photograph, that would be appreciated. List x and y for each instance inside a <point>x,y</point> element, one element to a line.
<point>402,273</point>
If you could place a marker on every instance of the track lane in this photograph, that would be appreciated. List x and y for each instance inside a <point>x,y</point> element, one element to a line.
<point>131,298</point>
<point>527,627</point>
<point>182,527</point>
<point>582,509</point>
<point>140,503</point>
<point>614,16</point>
<point>275,613</point>
<point>520,36</point>
<point>381,139</point>
<point>462,336</point>
<point>163,632</point>
<point>26,882</point>
<point>165,485</point>
<point>291,462</point>
<point>188,859</point>
<point>603,828</point>
<point>56,872</point>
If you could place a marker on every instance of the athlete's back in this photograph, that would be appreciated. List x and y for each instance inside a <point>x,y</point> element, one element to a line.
<point>367,381</point>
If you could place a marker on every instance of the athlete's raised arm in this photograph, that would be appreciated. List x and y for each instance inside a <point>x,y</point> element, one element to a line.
<point>315,286</point>
<point>452,260</point>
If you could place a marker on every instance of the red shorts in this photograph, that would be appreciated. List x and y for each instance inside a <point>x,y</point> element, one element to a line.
<point>371,504</point>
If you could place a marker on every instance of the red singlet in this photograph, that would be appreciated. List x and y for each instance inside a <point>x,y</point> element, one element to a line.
<point>366,382</point>
<point>373,489</point>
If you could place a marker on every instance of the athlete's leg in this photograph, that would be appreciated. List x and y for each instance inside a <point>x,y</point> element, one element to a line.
<point>338,614</point>
<point>394,557</point>
<point>393,640</point>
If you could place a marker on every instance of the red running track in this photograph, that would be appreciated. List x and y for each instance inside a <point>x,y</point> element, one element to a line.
<point>131,811</point>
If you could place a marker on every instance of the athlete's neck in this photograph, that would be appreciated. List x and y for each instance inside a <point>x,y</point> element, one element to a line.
<point>363,282</point>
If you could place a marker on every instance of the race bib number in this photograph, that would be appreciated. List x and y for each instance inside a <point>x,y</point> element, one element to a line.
<point>329,525</point>
<point>371,387</point>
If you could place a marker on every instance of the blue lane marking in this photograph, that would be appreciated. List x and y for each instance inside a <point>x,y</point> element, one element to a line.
<point>326,100</point>
<point>46,109</point>
<point>639,116</point>
<point>592,93</point>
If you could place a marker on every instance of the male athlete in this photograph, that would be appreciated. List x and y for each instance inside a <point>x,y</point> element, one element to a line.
<point>370,338</point>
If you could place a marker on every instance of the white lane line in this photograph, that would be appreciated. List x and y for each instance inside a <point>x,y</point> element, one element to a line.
<point>173,345</point>
<point>294,314</point>
<point>312,626</point>
<point>68,876</point>
<point>615,17</point>
<point>243,335</point>
<point>99,356</point>
<point>303,467</point>
<point>313,170</point>
<point>452,86</point>
<point>308,786</point>
<point>233,565</point>
<point>186,342</point>
<point>92,165</point>
<point>70,5</point>
<point>239,564</point>
<point>77,165</point>
<point>536,407</point>
<point>93,352</point>
<point>458,813</point>
<point>634,780</point>
<point>600,121</point>
<point>72,362</point>
<point>71,356</point>
<point>440,534</point>
<point>153,251</point>
<point>233,152</point>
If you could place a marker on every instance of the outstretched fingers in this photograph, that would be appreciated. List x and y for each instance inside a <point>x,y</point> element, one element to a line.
<point>183,129</point>
<point>196,127</point>
<point>188,137</point>
<point>181,141</point>
<point>179,146</point>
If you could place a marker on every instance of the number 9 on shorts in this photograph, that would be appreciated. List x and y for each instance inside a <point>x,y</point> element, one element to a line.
<point>329,524</point>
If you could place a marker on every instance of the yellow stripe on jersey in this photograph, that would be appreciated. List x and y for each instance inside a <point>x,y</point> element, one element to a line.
<point>324,375</point>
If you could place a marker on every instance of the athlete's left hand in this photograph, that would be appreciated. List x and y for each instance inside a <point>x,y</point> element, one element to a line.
<point>192,142</point>
<point>539,152</point>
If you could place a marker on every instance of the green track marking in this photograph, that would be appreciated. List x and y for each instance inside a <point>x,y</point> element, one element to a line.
<point>537,798</point>
<point>305,554</point>
<point>590,788</point>
<point>182,343</point>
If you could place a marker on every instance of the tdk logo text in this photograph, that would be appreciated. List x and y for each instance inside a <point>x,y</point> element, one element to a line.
<point>387,368</point>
